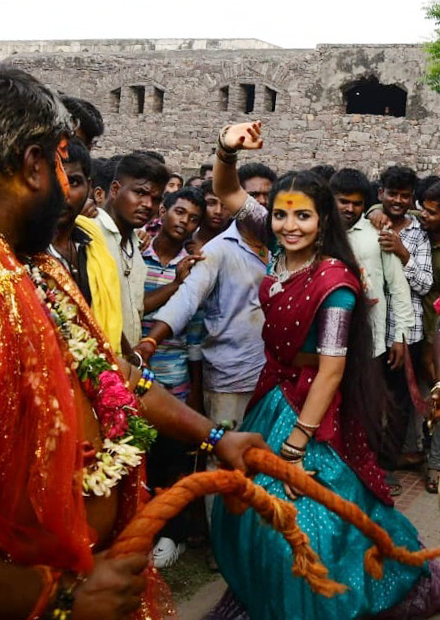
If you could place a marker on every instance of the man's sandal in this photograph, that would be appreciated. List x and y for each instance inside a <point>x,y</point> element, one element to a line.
<point>432,479</point>
<point>393,484</point>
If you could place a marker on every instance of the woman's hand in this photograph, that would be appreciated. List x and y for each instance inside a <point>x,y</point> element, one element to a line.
<point>242,136</point>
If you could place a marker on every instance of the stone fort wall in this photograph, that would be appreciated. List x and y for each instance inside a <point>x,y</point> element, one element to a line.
<point>174,95</point>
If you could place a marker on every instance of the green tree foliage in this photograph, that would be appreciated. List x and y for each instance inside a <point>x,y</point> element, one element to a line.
<point>433,49</point>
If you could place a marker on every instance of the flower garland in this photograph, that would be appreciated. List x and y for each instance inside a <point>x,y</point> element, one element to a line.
<point>127,436</point>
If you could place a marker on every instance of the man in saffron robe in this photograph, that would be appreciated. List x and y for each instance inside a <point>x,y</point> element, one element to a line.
<point>51,441</point>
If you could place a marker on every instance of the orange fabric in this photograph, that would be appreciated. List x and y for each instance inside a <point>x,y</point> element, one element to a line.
<point>60,156</point>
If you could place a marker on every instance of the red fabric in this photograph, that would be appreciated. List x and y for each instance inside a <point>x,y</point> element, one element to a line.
<point>289,316</point>
<point>157,601</point>
<point>42,517</point>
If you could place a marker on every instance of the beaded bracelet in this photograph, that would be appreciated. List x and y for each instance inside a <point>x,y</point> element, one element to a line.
<point>145,382</point>
<point>215,434</point>
<point>61,608</point>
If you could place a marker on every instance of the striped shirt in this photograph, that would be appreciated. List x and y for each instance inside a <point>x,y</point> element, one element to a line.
<point>170,362</point>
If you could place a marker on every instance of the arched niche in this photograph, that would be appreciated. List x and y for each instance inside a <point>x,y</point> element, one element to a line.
<point>369,96</point>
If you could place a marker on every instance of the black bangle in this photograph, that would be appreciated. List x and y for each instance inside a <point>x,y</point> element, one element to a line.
<point>221,134</point>
<point>227,158</point>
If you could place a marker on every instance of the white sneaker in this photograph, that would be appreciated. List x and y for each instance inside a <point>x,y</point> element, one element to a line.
<point>166,552</point>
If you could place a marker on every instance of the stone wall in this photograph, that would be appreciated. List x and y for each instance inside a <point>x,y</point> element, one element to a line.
<point>175,101</point>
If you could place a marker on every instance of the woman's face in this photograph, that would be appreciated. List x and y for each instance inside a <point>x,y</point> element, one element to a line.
<point>295,221</point>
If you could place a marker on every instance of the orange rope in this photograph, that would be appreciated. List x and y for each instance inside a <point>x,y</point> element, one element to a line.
<point>241,493</point>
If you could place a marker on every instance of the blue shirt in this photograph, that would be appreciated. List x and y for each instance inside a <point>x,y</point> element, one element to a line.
<point>226,285</point>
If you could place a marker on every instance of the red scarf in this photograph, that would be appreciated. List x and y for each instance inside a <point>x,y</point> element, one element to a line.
<point>289,317</point>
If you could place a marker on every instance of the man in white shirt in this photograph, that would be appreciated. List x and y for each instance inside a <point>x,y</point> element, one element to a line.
<point>382,273</point>
<point>351,189</point>
<point>138,185</point>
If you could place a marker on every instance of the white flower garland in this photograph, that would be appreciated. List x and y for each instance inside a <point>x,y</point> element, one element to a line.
<point>115,459</point>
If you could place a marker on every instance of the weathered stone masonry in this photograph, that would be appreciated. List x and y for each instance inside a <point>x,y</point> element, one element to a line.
<point>173,97</point>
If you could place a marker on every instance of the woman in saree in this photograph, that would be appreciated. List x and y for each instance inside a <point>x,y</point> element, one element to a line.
<point>318,405</point>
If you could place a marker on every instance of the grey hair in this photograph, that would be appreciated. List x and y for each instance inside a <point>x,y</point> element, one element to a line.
<point>30,113</point>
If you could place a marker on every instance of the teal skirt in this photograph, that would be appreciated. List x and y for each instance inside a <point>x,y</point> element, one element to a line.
<point>256,561</point>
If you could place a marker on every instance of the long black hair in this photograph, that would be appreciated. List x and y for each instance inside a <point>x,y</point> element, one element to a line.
<point>362,387</point>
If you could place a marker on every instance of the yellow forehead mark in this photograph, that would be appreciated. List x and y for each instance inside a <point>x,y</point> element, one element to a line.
<point>293,201</point>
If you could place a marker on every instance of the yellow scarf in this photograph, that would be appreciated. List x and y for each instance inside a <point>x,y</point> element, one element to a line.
<point>104,283</point>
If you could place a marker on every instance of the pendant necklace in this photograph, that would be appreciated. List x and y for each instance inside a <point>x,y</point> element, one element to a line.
<point>127,257</point>
<point>282,274</point>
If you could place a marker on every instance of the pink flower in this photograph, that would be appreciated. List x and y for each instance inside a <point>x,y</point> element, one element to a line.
<point>111,400</point>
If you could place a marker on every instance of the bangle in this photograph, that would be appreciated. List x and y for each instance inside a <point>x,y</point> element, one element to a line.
<point>145,382</point>
<point>291,459</point>
<point>140,360</point>
<point>221,134</point>
<point>435,387</point>
<point>303,431</point>
<point>291,452</point>
<point>215,434</point>
<point>226,157</point>
<point>50,580</point>
<point>290,446</point>
<point>305,426</point>
<point>152,341</point>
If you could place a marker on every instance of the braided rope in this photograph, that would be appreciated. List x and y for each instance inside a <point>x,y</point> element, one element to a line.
<point>240,493</point>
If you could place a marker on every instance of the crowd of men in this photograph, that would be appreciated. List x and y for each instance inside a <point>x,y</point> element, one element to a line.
<point>174,282</point>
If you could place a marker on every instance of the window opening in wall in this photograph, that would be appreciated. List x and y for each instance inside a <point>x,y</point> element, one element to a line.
<point>139,98</point>
<point>369,96</point>
<point>270,99</point>
<point>248,97</point>
<point>158,97</point>
<point>224,98</point>
<point>115,100</point>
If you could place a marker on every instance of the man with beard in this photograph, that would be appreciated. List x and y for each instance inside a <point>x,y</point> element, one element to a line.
<point>80,245</point>
<point>58,377</point>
